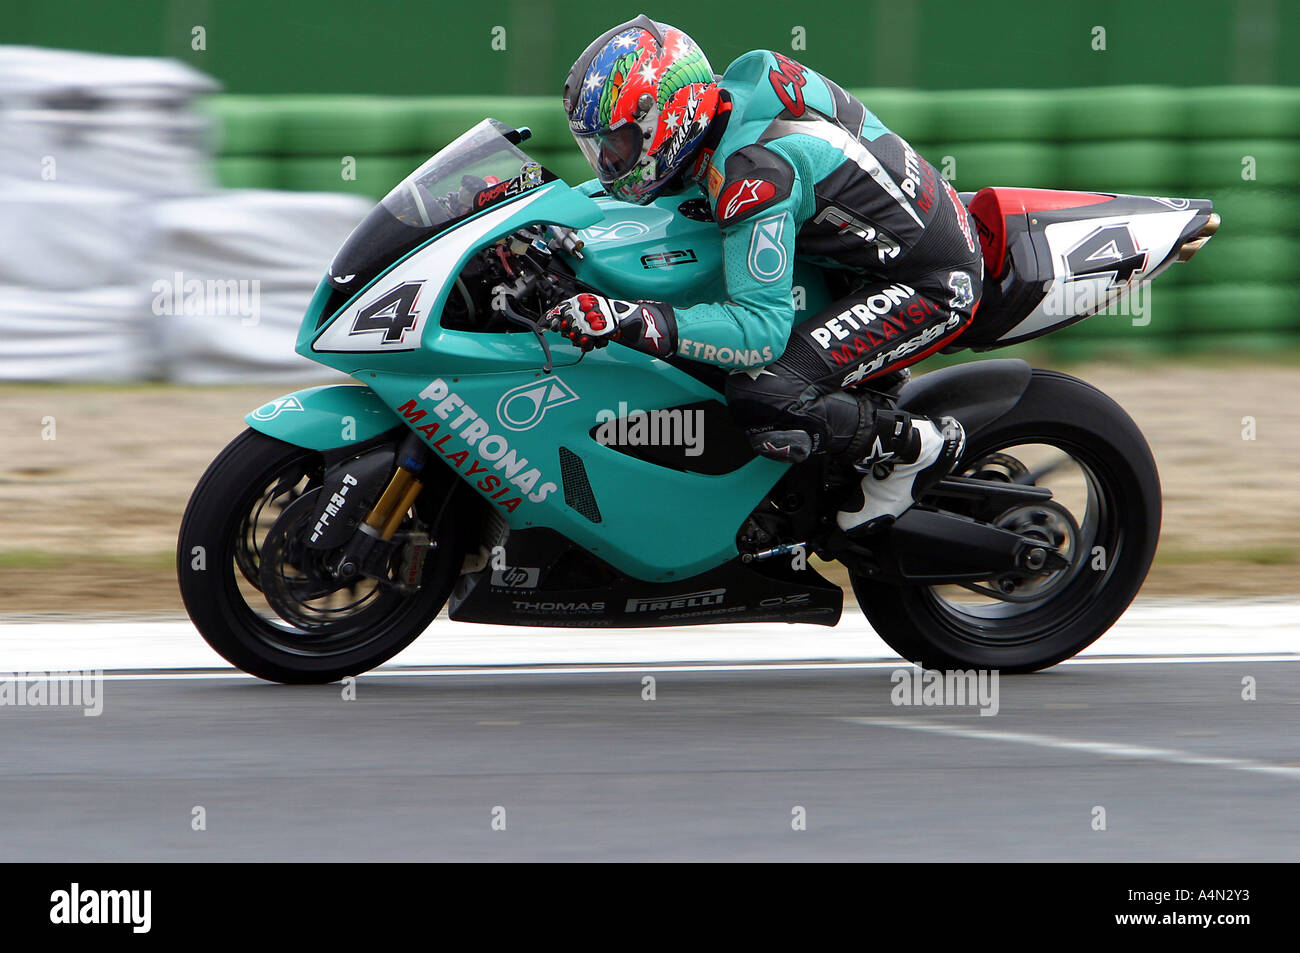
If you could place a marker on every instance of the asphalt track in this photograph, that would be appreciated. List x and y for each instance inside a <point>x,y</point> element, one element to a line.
<point>419,763</point>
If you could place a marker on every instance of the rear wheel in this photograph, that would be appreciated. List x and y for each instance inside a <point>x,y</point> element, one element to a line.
<point>263,601</point>
<point>1104,517</point>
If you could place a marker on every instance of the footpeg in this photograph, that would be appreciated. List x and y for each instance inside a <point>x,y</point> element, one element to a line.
<point>783,550</point>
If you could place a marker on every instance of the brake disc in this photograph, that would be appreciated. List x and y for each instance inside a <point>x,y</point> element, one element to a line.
<point>293,576</point>
<point>248,554</point>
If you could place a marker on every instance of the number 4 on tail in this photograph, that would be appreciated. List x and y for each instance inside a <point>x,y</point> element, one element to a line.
<point>392,312</point>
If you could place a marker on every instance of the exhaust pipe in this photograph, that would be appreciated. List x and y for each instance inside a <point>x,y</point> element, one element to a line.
<point>1190,248</point>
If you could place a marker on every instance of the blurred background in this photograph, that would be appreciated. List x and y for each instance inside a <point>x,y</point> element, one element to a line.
<point>175,176</point>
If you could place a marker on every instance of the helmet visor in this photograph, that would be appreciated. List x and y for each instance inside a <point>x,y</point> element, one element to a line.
<point>613,153</point>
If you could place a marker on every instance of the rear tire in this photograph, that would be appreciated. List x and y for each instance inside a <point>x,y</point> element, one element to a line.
<point>1067,413</point>
<point>210,577</point>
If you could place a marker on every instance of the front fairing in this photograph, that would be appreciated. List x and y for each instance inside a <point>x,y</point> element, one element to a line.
<point>379,309</point>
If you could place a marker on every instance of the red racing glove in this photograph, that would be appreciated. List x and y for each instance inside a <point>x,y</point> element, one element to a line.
<point>592,321</point>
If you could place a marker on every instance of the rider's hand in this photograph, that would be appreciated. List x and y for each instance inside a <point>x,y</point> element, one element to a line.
<point>592,321</point>
<point>588,320</point>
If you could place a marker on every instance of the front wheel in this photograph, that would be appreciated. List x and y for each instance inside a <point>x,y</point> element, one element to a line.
<point>1104,517</point>
<point>300,633</point>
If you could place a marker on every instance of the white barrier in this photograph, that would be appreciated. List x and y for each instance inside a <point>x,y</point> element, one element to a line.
<point>88,334</point>
<point>118,122</point>
<point>231,274</point>
<point>118,258</point>
<point>62,237</point>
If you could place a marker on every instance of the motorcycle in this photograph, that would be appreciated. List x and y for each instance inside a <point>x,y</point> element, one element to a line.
<point>472,467</point>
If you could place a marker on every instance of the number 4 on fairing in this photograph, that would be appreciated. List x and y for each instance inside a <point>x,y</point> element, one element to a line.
<point>1110,250</point>
<point>393,313</point>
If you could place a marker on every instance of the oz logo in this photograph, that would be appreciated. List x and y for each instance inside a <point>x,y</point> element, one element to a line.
<point>523,407</point>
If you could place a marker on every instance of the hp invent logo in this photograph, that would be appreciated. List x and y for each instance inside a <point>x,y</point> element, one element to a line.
<point>523,407</point>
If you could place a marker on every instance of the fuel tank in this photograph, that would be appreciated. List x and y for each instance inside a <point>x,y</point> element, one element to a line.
<point>655,252</point>
<point>671,251</point>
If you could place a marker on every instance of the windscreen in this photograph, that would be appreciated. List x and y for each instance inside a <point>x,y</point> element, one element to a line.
<point>481,168</point>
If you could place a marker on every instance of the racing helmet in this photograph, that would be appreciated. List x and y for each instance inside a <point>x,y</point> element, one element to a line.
<point>639,100</point>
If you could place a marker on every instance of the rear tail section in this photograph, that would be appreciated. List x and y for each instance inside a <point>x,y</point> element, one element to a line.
<point>1053,258</point>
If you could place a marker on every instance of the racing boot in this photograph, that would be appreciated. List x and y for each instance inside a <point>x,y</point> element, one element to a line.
<point>908,456</point>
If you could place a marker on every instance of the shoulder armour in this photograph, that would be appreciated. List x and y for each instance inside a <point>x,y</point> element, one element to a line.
<point>755,179</point>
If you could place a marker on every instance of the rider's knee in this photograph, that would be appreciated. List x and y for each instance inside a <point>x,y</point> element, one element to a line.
<point>755,397</point>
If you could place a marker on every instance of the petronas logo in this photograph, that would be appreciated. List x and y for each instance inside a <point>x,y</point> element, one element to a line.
<point>767,255</point>
<point>277,407</point>
<point>523,407</point>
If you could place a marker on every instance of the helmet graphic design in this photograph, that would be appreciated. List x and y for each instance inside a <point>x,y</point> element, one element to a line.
<point>639,99</point>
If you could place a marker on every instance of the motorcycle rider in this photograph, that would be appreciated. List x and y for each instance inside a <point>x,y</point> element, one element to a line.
<point>792,166</point>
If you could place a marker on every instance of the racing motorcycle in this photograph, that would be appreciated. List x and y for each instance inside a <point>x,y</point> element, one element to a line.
<point>473,467</point>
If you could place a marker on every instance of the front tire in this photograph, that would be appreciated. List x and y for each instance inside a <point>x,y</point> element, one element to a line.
<point>1109,565</point>
<point>216,567</point>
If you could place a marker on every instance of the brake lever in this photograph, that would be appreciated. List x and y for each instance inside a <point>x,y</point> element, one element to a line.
<point>517,318</point>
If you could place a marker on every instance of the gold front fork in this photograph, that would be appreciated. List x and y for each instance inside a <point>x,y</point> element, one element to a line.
<point>397,498</point>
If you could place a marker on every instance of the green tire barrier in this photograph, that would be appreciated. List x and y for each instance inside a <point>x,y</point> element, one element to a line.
<point>1228,309</point>
<point>374,175</point>
<point>1119,112</point>
<point>1247,259</point>
<point>1231,112</point>
<point>442,120</point>
<point>247,125</point>
<point>346,125</point>
<point>992,114</point>
<point>1081,349</point>
<point>1249,208</point>
<point>979,164</point>
<point>1144,166</point>
<point>1226,163</point>
<point>248,172</point>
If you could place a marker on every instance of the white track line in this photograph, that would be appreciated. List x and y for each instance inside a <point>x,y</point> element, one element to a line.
<point>1149,630</point>
<point>402,671</point>
<point>1104,749</point>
